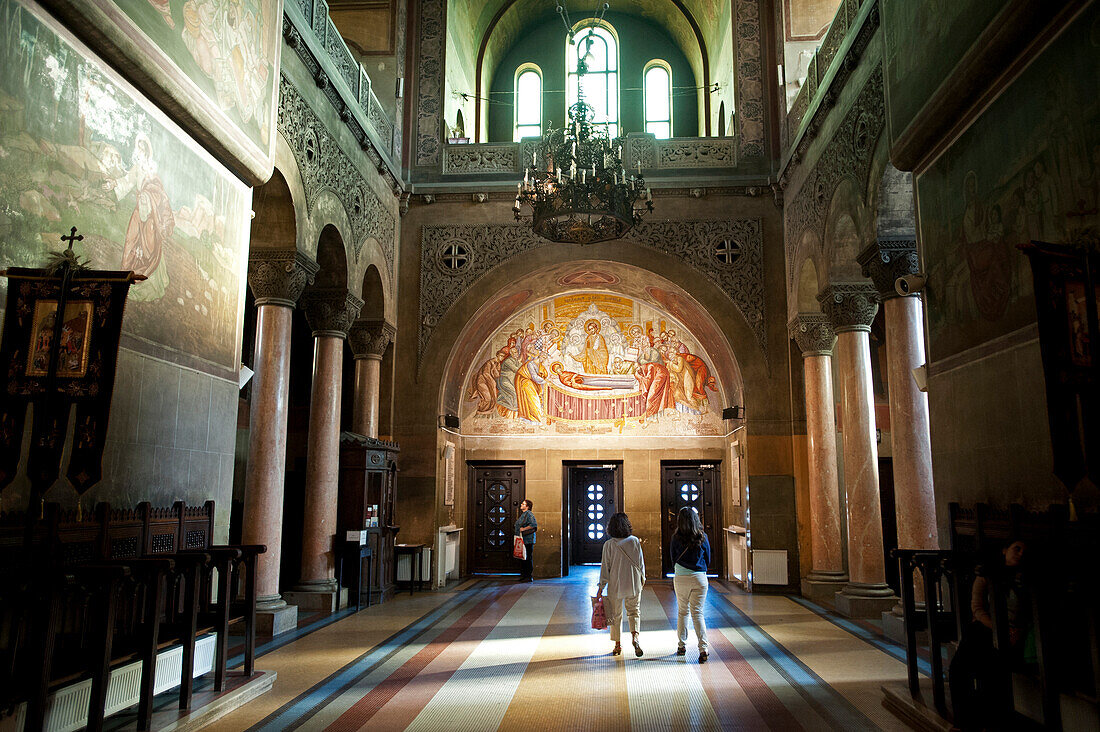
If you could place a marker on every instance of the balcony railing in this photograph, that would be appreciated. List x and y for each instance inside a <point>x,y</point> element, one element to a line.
<point>677,153</point>
<point>321,39</point>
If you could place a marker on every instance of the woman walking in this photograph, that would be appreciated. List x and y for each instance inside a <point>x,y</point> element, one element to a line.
<point>690,552</point>
<point>622,571</point>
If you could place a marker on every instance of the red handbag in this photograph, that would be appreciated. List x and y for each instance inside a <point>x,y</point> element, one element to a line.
<point>519,551</point>
<point>599,615</point>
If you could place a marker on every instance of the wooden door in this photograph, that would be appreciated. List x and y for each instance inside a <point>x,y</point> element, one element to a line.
<point>694,485</point>
<point>495,495</point>
<point>595,492</point>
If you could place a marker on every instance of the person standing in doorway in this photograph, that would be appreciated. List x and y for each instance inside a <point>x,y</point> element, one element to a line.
<point>622,571</point>
<point>527,526</point>
<point>690,552</point>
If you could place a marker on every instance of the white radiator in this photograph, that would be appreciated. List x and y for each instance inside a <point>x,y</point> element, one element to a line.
<point>67,708</point>
<point>769,566</point>
<point>406,568</point>
<point>737,554</point>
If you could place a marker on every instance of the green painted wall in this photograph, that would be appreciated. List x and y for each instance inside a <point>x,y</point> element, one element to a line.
<point>639,43</point>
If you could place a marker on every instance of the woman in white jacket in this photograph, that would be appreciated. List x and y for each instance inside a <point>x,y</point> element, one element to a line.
<point>622,572</point>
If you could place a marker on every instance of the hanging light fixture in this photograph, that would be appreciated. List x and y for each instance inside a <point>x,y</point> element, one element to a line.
<point>582,193</point>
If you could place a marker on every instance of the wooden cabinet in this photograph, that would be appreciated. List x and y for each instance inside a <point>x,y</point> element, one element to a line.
<point>368,468</point>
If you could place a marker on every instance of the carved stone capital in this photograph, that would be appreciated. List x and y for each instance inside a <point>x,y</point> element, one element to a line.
<point>887,259</point>
<point>278,277</point>
<point>813,333</point>
<point>330,310</point>
<point>849,306</point>
<point>369,338</point>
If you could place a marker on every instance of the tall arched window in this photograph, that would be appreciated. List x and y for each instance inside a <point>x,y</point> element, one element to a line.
<point>658,99</point>
<point>528,102</point>
<point>598,45</point>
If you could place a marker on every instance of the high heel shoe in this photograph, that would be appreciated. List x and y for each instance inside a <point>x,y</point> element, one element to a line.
<point>637,648</point>
<point>617,650</point>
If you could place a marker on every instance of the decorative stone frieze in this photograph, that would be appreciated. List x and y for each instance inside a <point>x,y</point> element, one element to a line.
<point>750,81</point>
<point>431,25</point>
<point>279,276</point>
<point>454,257</point>
<point>481,158</point>
<point>849,306</point>
<point>813,333</point>
<point>886,260</point>
<point>330,310</point>
<point>323,165</point>
<point>369,338</point>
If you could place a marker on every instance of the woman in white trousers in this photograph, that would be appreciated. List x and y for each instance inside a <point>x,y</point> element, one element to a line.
<point>690,553</point>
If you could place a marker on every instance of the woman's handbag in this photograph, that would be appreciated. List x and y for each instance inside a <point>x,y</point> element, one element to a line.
<point>599,615</point>
<point>519,550</point>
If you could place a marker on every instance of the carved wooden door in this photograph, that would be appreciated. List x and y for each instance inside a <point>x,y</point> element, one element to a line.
<point>595,494</point>
<point>695,486</point>
<point>495,494</point>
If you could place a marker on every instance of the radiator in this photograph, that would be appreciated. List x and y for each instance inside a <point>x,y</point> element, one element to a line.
<point>67,708</point>
<point>769,566</point>
<point>737,554</point>
<point>406,570</point>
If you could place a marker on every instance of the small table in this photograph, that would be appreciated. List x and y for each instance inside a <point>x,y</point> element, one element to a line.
<point>355,550</point>
<point>414,551</point>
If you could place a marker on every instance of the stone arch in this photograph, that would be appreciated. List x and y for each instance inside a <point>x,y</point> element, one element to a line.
<point>331,258</point>
<point>372,262</point>
<point>845,228</point>
<point>809,270</point>
<point>893,204</point>
<point>374,295</point>
<point>275,220</point>
<point>328,211</point>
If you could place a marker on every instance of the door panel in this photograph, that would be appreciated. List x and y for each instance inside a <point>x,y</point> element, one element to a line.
<point>594,493</point>
<point>495,495</point>
<point>696,486</point>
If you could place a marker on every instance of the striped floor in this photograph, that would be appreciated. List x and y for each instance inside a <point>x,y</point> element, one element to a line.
<point>491,655</point>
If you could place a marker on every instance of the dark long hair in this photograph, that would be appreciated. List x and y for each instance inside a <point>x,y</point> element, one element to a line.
<point>689,529</point>
<point>618,526</point>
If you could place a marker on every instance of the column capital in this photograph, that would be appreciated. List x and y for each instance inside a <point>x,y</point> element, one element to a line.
<point>813,333</point>
<point>279,276</point>
<point>330,310</point>
<point>849,306</point>
<point>887,259</point>
<point>369,338</point>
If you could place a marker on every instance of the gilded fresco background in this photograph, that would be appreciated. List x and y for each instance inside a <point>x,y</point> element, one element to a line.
<point>78,148</point>
<point>924,41</point>
<point>592,363</point>
<point>228,48</point>
<point>1028,169</point>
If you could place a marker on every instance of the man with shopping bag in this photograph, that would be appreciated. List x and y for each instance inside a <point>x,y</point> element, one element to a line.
<point>526,526</point>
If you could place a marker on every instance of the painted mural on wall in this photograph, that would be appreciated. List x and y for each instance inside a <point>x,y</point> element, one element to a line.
<point>1027,170</point>
<point>592,363</point>
<point>924,41</point>
<point>79,148</point>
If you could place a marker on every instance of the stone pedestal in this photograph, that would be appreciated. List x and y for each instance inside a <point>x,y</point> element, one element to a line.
<point>368,340</point>
<point>273,622</point>
<point>814,335</point>
<point>329,313</point>
<point>277,278</point>
<point>851,309</point>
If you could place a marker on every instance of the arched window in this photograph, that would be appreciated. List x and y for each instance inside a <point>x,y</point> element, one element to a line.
<point>598,46</point>
<point>658,99</point>
<point>528,102</point>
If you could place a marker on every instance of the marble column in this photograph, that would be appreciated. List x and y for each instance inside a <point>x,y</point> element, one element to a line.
<point>368,340</point>
<point>277,279</point>
<point>814,335</point>
<point>329,312</point>
<point>884,262</point>
<point>851,309</point>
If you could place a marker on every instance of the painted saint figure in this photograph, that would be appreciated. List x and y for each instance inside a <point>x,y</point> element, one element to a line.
<point>484,388</point>
<point>596,355</point>
<point>151,223</point>
<point>529,380</point>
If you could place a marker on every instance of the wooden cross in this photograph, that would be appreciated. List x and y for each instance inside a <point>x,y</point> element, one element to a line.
<point>72,238</point>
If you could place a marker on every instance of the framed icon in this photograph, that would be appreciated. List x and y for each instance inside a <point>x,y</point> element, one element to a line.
<point>73,342</point>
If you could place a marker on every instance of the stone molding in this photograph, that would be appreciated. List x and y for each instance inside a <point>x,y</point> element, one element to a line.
<point>369,338</point>
<point>428,125</point>
<point>887,259</point>
<point>750,82</point>
<point>849,306</point>
<point>485,246</point>
<point>813,333</point>
<point>330,310</point>
<point>849,154</point>
<point>324,166</point>
<point>278,277</point>
<point>481,158</point>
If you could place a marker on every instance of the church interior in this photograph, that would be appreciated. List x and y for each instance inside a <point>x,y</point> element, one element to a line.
<point>343,283</point>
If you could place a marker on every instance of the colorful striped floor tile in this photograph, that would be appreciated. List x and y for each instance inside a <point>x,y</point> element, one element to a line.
<point>491,654</point>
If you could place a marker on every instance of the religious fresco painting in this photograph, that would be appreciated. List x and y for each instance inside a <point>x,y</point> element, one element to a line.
<point>1025,171</point>
<point>592,363</point>
<point>924,41</point>
<point>79,148</point>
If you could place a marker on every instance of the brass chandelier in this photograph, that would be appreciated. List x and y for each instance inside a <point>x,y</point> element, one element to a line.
<point>582,194</point>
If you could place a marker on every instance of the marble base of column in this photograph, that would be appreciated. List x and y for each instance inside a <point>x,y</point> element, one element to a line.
<point>859,600</point>
<point>274,615</point>
<point>821,587</point>
<point>324,596</point>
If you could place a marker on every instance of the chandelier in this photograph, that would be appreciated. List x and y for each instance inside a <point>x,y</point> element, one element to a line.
<point>582,194</point>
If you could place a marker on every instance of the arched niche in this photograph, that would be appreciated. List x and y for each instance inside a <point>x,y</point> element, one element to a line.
<point>275,223</point>
<point>331,259</point>
<point>844,233</point>
<point>808,287</point>
<point>374,295</point>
